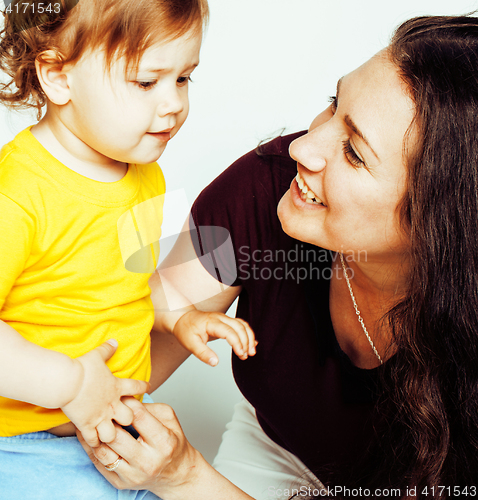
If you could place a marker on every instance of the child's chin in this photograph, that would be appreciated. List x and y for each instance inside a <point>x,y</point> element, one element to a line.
<point>145,159</point>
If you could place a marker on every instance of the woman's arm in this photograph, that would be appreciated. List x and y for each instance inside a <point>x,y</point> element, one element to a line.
<point>161,460</point>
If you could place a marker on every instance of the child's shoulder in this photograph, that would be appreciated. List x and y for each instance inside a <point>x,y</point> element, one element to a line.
<point>151,169</point>
<point>152,173</point>
<point>18,150</point>
<point>18,167</point>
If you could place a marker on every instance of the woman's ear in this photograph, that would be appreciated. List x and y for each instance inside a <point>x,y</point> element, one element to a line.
<point>52,75</point>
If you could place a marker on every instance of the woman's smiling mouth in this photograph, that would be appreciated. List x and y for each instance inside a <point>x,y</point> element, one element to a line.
<point>306,193</point>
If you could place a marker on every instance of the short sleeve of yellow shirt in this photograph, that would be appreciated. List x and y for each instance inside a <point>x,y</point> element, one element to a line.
<point>75,259</point>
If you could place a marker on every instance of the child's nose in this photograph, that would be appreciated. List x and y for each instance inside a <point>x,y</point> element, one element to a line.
<point>170,102</point>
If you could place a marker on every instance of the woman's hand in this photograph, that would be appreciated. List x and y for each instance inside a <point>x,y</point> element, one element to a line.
<point>161,460</point>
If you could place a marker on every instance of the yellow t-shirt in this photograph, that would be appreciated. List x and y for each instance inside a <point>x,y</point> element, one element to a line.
<point>75,259</point>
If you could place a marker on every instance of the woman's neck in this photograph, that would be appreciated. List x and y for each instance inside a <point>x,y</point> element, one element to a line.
<point>380,278</point>
<point>377,286</point>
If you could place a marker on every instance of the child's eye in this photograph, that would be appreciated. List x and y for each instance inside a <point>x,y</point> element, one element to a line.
<point>147,85</point>
<point>351,155</point>
<point>183,80</point>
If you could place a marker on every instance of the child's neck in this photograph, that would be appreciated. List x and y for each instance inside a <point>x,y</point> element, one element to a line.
<point>69,150</point>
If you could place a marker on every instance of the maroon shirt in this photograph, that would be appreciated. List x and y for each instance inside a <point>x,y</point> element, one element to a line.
<point>309,397</point>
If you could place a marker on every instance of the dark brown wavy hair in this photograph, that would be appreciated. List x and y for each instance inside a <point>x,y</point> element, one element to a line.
<point>426,421</point>
<point>121,28</point>
<point>434,392</point>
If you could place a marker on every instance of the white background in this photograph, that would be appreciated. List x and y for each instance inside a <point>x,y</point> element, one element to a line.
<point>265,65</point>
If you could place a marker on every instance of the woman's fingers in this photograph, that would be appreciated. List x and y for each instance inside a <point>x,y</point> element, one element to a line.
<point>108,459</point>
<point>161,453</point>
<point>165,414</point>
<point>153,422</point>
<point>103,456</point>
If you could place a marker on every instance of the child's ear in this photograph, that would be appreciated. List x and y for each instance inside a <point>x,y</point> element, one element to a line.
<point>52,75</point>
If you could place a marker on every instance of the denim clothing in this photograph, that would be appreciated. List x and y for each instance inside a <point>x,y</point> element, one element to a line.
<point>42,466</point>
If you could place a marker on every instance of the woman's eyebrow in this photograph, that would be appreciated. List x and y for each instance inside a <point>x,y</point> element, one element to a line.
<point>350,123</point>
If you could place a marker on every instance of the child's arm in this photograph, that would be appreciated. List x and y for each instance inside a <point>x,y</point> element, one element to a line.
<point>84,388</point>
<point>192,326</point>
<point>34,374</point>
<point>167,354</point>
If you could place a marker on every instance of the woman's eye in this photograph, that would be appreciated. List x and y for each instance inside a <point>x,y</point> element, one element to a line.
<point>351,155</point>
<point>183,80</point>
<point>147,85</point>
<point>333,101</point>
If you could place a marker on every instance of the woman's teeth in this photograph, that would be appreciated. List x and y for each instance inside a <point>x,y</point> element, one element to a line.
<point>307,194</point>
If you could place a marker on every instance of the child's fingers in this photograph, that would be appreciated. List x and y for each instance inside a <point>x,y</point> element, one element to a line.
<point>250,335</point>
<point>123,414</point>
<point>231,330</point>
<point>107,349</point>
<point>90,435</point>
<point>106,431</point>
<point>244,333</point>
<point>131,387</point>
<point>199,348</point>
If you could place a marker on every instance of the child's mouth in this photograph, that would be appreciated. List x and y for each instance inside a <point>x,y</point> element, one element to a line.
<point>162,136</point>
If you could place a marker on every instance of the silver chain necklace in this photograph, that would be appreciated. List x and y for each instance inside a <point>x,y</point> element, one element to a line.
<point>357,312</point>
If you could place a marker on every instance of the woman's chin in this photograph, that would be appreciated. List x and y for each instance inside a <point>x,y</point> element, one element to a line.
<point>293,222</point>
<point>284,212</point>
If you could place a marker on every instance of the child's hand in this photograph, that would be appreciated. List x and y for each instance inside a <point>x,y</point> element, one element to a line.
<point>98,396</point>
<point>194,328</point>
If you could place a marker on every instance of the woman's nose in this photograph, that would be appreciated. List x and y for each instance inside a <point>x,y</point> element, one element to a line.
<point>309,151</point>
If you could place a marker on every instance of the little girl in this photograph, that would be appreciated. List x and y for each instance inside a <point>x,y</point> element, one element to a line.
<point>80,214</point>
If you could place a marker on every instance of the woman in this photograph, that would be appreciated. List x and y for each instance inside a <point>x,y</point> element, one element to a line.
<point>365,372</point>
